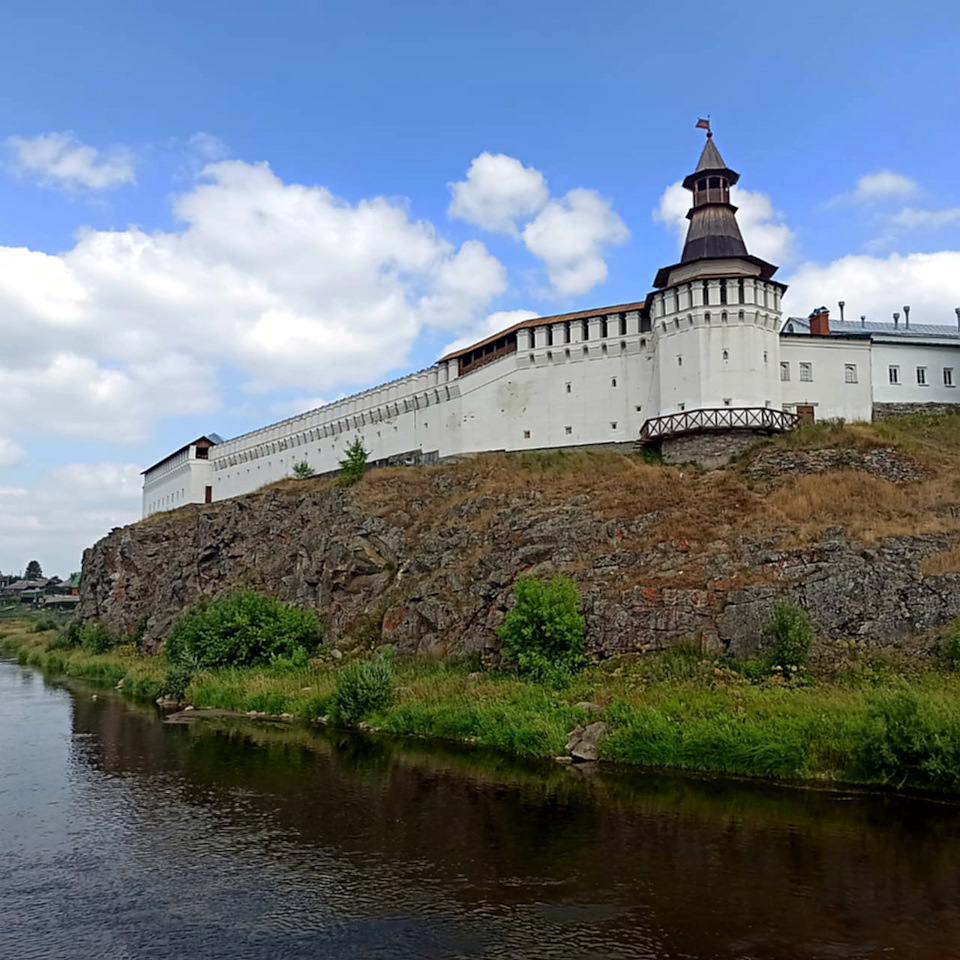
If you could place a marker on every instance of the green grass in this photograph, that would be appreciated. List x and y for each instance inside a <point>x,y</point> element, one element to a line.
<point>861,716</point>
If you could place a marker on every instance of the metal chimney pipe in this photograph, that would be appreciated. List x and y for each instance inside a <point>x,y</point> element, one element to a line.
<point>896,320</point>
<point>863,320</point>
<point>841,304</point>
<point>956,310</point>
<point>906,315</point>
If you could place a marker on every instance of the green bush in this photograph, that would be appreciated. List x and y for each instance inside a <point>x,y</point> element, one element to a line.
<point>951,645</point>
<point>791,634</point>
<point>302,470</point>
<point>92,637</point>
<point>242,630</point>
<point>180,675</point>
<point>904,743</point>
<point>95,638</point>
<point>363,687</point>
<point>45,624</point>
<point>543,632</point>
<point>354,464</point>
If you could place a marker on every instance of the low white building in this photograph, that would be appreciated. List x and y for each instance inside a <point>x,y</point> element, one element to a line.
<point>707,353</point>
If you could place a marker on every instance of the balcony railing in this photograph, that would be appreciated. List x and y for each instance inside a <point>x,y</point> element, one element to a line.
<point>761,419</point>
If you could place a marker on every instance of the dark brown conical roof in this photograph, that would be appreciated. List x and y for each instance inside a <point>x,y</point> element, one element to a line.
<point>713,233</point>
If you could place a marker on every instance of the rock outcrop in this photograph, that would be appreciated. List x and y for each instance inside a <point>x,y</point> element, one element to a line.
<point>425,559</point>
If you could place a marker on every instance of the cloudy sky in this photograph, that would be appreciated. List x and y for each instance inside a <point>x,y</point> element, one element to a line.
<point>214,215</point>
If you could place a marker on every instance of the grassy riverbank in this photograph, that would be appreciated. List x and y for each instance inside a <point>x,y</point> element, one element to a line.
<point>854,716</point>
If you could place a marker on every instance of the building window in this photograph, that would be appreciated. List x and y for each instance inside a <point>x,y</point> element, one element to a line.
<point>679,361</point>
<point>526,434</point>
<point>727,401</point>
<point>568,388</point>
<point>806,373</point>
<point>568,430</point>
<point>894,374</point>
<point>681,406</point>
<point>921,376</point>
<point>726,355</point>
<point>784,370</point>
<point>765,356</point>
<point>948,377</point>
<point>613,424</point>
<point>849,373</point>
<point>613,381</point>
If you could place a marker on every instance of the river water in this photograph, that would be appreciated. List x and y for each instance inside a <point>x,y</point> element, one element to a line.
<point>124,837</point>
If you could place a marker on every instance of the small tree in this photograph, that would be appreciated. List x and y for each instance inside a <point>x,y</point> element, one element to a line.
<point>34,571</point>
<point>302,470</point>
<point>792,634</point>
<point>353,465</point>
<point>544,631</point>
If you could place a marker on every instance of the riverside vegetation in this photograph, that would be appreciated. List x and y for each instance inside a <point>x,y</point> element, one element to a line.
<point>827,711</point>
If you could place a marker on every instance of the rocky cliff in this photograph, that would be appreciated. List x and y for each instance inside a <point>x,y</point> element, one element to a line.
<point>862,534</point>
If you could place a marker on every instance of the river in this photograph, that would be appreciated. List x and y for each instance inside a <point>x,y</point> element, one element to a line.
<point>124,837</point>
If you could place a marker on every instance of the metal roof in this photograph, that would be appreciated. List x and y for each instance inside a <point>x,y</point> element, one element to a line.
<point>211,438</point>
<point>842,328</point>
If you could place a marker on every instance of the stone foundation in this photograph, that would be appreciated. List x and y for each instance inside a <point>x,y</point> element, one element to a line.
<point>886,411</point>
<point>707,450</point>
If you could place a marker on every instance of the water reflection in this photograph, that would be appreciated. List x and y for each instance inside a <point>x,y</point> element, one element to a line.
<point>128,837</point>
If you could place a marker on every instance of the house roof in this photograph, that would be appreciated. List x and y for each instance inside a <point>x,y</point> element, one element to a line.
<point>539,321</point>
<point>212,438</point>
<point>873,328</point>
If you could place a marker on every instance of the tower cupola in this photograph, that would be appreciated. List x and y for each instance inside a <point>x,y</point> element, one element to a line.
<point>713,233</point>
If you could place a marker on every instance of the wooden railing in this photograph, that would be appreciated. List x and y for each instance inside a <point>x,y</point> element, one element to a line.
<point>761,419</point>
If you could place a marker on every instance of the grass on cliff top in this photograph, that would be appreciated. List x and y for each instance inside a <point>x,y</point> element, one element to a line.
<point>673,710</point>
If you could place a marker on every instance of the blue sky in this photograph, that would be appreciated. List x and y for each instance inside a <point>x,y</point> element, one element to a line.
<point>213,215</point>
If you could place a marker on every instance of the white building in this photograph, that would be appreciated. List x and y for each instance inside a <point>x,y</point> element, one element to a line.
<point>706,354</point>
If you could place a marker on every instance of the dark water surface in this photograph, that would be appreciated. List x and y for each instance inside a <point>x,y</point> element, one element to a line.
<point>123,837</point>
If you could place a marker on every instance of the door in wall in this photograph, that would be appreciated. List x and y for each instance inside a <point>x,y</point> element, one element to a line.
<point>806,413</point>
<point>208,494</point>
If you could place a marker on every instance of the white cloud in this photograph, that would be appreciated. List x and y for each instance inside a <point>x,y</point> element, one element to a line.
<point>763,229</point>
<point>498,192</point>
<point>286,284</point>
<point>208,146</point>
<point>490,325</point>
<point>570,235</point>
<point>876,286</point>
<point>883,185</point>
<point>98,482</point>
<point>61,159</point>
<point>10,452</point>
<point>64,513</point>
<point>912,218</point>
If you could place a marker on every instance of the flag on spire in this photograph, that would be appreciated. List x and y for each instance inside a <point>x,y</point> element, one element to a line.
<point>704,125</point>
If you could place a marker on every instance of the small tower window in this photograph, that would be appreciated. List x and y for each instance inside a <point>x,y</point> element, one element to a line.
<point>613,381</point>
<point>726,356</point>
<point>679,361</point>
<point>568,388</point>
<point>723,291</point>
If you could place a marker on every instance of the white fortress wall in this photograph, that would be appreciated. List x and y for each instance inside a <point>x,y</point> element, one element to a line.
<point>391,419</point>
<point>840,372</point>
<point>933,356</point>
<point>718,346</point>
<point>570,383</point>
<point>179,479</point>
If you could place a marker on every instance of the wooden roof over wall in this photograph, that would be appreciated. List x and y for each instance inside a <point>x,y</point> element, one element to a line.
<point>542,321</point>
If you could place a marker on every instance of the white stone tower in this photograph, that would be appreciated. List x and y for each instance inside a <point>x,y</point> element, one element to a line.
<point>716,319</point>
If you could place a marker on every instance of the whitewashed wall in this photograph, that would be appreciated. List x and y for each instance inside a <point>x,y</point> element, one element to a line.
<point>716,354</point>
<point>177,480</point>
<point>934,355</point>
<point>829,393</point>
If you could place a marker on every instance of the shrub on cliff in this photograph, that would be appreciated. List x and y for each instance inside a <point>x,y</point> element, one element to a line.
<point>363,687</point>
<point>354,464</point>
<point>791,634</point>
<point>92,637</point>
<point>243,630</point>
<point>543,632</point>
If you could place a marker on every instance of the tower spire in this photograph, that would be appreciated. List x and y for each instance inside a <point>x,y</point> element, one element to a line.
<point>713,233</point>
